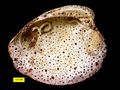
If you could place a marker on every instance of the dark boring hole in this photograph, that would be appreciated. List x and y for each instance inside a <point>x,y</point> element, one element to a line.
<point>23,48</point>
<point>91,65</point>
<point>60,26</point>
<point>83,70</point>
<point>49,37</point>
<point>89,38</point>
<point>84,30</point>
<point>75,68</point>
<point>99,56</point>
<point>96,63</point>
<point>81,59</point>
<point>34,67</point>
<point>63,52</point>
<point>57,56</point>
<point>59,36</point>
<point>57,68</point>
<point>40,49</point>
<point>75,43</point>
<point>45,15</point>
<point>15,48</point>
<point>93,57</point>
<point>56,26</point>
<point>15,59</point>
<point>81,75</point>
<point>70,13</point>
<point>91,69</point>
<point>25,39</point>
<point>76,73</point>
<point>26,55</point>
<point>52,77</point>
<point>45,70</point>
<point>35,75</point>
<point>88,45</point>
<point>43,79</point>
<point>35,52</point>
<point>63,13</point>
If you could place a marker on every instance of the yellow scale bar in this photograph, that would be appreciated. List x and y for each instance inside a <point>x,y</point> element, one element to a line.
<point>18,79</point>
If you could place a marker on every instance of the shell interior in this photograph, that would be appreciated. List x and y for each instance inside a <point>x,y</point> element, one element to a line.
<point>60,47</point>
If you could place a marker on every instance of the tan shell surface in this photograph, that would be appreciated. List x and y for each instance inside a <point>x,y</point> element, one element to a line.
<point>60,47</point>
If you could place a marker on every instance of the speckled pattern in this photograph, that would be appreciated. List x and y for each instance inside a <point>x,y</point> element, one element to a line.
<point>60,47</point>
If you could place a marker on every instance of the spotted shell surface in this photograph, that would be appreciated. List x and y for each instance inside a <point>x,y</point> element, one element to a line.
<point>60,47</point>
